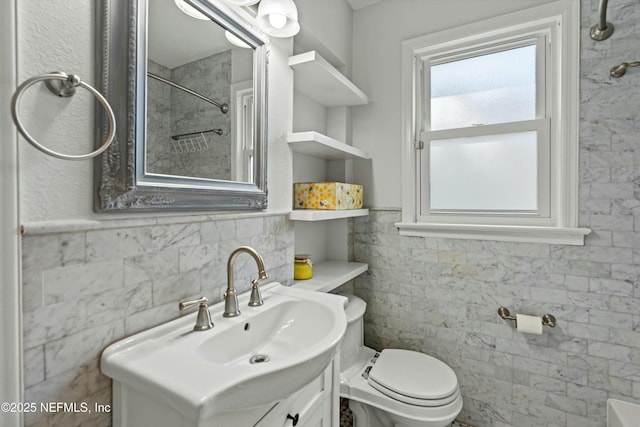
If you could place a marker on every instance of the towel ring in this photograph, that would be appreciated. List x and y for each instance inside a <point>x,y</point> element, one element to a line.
<point>63,85</point>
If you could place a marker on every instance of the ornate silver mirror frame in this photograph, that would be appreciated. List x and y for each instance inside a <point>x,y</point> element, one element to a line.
<point>120,176</point>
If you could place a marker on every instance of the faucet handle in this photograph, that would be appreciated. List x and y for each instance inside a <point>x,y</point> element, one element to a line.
<point>203,321</point>
<point>255,300</point>
<point>186,305</point>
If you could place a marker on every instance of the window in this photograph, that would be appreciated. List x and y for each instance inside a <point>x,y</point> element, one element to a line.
<point>490,134</point>
<point>242,153</point>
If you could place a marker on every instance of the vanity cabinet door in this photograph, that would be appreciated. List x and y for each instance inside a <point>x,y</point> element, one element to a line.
<point>317,416</point>
<point>309,407</point>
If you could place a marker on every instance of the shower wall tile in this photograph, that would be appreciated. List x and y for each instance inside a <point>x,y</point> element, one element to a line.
<point>85,290</point>
<point>34,359</point>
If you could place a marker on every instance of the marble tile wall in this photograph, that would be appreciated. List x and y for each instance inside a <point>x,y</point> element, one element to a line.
<point>441,296</point>
<point>173,112</point>
<point>159,145</point>
<point>211,77</point>
<point>86,289</point>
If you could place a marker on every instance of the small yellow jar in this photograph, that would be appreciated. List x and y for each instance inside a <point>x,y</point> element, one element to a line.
<point>302,267</point>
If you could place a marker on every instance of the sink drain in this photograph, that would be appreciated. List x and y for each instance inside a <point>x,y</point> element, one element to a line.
<point>259,358</point>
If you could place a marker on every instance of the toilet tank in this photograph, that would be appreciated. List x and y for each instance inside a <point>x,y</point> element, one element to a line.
<point>353,340</point>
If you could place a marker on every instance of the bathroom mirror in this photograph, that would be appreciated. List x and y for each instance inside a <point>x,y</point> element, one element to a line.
<point>187,83</point>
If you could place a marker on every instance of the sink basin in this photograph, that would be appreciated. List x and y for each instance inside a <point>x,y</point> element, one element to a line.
<point>277,333</point>
<point>622,414</point>
<point>255,359</point>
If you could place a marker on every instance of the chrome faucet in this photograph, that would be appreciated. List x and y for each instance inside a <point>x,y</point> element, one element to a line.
<point>203,321</point>
<point>230,297</point>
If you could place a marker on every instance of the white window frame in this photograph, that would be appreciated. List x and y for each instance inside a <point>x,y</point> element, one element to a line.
<point>554,27</point>
<point>242,131</point>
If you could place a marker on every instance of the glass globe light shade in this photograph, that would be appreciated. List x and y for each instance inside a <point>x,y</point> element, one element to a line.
<point>278,18</point>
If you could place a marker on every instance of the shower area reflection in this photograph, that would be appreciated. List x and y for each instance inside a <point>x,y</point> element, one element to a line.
<point>186,134</point>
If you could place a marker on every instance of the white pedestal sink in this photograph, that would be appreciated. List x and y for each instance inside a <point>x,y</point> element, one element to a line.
<point>622,414</point>
<point>258,358</point>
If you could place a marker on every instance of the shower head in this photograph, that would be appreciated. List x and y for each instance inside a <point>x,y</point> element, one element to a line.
<point>620,70</point>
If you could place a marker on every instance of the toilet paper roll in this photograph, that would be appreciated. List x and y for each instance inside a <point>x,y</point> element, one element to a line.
<point>529,324</point>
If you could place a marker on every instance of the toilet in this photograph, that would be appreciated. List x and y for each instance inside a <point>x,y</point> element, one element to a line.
<point>393,388</point>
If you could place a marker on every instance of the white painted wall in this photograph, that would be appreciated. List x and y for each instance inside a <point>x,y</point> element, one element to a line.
<point>241,65</point>
<point>280,112</point>
<point>325,26</point>
<point>60,35</point>
<point>378,32</point>
<point>56,35</point>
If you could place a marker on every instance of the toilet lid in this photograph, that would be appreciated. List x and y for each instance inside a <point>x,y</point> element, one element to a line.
<point>414,378</point>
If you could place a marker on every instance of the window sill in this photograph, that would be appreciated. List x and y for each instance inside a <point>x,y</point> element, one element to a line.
<point>530,234</point>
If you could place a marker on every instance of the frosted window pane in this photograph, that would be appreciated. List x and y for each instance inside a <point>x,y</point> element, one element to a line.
<point>496,172</point>
<point>495,88</point>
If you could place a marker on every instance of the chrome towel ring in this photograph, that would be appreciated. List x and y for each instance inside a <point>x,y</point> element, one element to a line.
<point>63,85</point>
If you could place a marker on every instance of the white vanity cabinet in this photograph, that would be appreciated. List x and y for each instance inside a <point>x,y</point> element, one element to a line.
<point>315,405</point>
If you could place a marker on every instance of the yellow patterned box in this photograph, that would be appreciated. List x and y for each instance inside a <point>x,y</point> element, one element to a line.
<point>327,195</point>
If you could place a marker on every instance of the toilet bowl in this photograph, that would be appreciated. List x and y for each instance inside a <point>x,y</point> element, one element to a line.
<point>393,388</point>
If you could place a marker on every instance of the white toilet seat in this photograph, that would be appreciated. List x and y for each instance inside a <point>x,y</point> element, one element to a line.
<point>414,378</point>
<point>355,386</point>
<point>398,388</point>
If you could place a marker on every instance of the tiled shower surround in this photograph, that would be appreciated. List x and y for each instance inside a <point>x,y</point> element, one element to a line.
<point>86,289</point>
<point>172,112</point>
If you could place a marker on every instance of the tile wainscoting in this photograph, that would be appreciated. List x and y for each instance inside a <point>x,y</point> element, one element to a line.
<point>441,297</point>
<point>84,289</point>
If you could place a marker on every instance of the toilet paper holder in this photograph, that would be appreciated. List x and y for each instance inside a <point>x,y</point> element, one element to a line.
<point>547,319</point>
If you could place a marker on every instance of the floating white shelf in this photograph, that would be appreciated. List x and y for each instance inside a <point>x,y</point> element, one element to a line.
<point>319,145</point>
<point>315,77</point>
<point>324,215</point>
<point>329,275</point>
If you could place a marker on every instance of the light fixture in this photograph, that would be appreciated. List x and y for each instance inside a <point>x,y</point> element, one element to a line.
<point>190,10</point>
<point>235,40</point>
<point>278,18</point>
<point>244,2</point>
